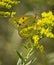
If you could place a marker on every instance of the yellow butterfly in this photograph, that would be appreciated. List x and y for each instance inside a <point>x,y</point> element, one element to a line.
<point>23,22</point>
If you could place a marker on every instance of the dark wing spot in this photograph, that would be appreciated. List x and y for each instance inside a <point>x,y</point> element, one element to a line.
<point>23,18</point>
<point>19,24</point>
<point>23,22</point>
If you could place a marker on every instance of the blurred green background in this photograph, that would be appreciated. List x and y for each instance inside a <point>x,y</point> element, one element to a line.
<point>10,41</point>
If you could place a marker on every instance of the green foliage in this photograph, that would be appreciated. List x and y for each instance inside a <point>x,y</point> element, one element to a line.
<point>24,60</point>
<point>20,56</point>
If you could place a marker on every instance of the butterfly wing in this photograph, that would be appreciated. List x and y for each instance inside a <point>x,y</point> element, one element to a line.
<point>14,22</point>
<point>22,30</point>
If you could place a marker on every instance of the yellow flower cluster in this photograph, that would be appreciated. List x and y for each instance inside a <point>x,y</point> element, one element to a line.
<point>8,3</point>
<point>11,2</point>
<point>47,33</point>
<point>36,44</point>
<point>50,35</point>
<point>48,18</point>
<point>12,14</point>
<point>7,14</point>
<point>3,4</point>
<point>46,24</point>
<point>36,39</point>
<point>46,14</point>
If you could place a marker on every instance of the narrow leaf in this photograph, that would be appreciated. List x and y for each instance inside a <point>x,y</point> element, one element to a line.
<point>20,56</point>
<point>28,63</point>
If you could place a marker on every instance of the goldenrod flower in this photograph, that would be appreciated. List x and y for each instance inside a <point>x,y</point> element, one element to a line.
<point>43,30</point>
<point>29,27</point>
<point>13,13</point>
<point>36,39</point>
<point>34,27</point>
<point>44,14</point>
<point>50,35</point>
<point>39,22</point>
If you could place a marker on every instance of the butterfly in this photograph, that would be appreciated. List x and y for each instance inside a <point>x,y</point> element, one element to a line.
<point>17,21</point>
<point>22,22</point>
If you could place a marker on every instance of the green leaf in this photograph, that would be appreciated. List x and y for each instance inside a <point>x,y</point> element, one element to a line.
<point>28,63</point>
<point>34,60</point>
<point>20,56</point>
<point>20,62</point>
